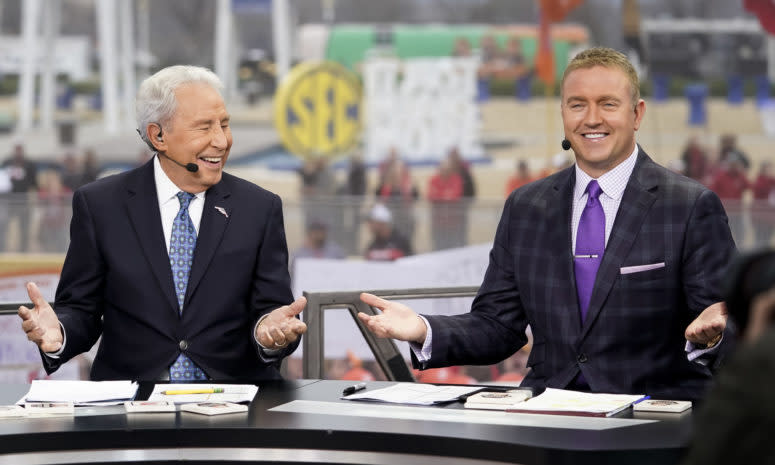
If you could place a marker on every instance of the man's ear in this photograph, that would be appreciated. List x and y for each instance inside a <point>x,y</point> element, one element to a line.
<point>154,133</point>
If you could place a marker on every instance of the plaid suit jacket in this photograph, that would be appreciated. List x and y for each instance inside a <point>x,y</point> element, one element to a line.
<point>632,340</point>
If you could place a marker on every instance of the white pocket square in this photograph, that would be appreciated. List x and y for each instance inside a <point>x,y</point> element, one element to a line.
<point>639,268</point>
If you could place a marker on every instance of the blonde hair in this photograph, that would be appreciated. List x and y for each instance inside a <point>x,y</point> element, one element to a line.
<point>607,58</point>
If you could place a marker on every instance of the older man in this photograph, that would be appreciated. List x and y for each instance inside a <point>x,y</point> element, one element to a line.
<point>180,267</point>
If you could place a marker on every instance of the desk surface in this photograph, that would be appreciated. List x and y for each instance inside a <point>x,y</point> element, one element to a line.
<point>316,431</point>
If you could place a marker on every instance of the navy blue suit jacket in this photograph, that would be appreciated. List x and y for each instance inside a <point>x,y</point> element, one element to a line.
<point>632,340</point>
<point>117,282</point>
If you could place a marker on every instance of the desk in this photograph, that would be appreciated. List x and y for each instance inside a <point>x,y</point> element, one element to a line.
<point>267,435</point>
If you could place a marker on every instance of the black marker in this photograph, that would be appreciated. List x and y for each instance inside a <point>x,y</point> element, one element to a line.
<point>354,388</point>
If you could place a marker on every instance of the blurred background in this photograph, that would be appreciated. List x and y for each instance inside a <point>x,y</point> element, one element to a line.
<point>393,130</point>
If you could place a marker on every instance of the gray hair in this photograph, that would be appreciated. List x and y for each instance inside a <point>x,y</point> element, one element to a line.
<point>156,102</point>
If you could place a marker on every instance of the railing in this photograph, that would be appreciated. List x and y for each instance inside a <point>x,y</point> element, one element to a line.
<point>29,223</point>
<point>385,352</point>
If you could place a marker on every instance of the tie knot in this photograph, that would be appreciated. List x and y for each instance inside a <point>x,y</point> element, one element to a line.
<point>185,199</point>
<point>593,190</point>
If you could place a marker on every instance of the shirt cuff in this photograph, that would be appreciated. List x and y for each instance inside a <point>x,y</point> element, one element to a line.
<point>695,352</point>
<point>55,355</point>
<point>423,352</point>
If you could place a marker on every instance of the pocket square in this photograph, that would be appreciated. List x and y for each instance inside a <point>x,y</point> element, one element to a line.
<point>639,268</point>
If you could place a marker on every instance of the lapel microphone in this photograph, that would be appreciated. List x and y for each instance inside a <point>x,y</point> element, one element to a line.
<point>565,144</point>
<point>191,167</point>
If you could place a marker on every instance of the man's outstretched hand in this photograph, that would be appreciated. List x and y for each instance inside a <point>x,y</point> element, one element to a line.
<point>40,322</point>
<point>396,321</point>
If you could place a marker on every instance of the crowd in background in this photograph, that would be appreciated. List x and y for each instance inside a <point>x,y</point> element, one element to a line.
<point>727,171</point>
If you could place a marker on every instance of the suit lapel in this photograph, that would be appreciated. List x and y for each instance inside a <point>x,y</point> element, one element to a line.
<point>215,218</point>
<point>143,208</point>
<point>560,208</point>
<point>638,197</point>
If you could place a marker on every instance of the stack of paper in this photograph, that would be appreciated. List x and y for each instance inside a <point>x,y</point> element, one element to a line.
<point>81,393</point>
<point>564,402</point>
<point>415,394</point>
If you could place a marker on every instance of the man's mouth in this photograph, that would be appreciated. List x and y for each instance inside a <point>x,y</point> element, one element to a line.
<point>211,161</point>
<point>595,135</point>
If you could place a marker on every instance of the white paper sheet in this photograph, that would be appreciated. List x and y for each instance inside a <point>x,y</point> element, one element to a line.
<point>414,394</point>
<point>80,392</point>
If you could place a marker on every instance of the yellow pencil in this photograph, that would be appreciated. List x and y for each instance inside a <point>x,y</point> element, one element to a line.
<point>192,391</point>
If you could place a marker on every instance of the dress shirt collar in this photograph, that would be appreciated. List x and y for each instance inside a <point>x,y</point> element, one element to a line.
<point>166,190</point>
<point>611,183</point>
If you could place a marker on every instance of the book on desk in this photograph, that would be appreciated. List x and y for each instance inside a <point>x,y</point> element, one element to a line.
<point>555,402</point>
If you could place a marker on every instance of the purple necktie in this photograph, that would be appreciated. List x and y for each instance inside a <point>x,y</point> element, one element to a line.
<point>590,246</point>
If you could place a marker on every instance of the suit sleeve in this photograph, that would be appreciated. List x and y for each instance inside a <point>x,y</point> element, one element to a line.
<point>708,250</point>
<point>78,302</point>
<point>271,280</point>
<point>495,327</point>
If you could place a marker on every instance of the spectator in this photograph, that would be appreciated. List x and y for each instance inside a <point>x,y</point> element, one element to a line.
<point>463,168</point>
<point>5,193</point>
<point>387,243</point>
<point>491,61</point>
<point>728,149</point>
<point>445,192</point>
<point>317,244</point>
<point>72,177</point>
<point>54,200</point>
<point>695,159</point>
<point>398,193</point>
<point>317,188</point>
<point>91,168</point>
<point>519,178</point>
<point>23,174</point>
<point>462,47</point>
<point>763,210</point>
<point>353,193</point>
<point>730,182</point>
<point>512,65</point>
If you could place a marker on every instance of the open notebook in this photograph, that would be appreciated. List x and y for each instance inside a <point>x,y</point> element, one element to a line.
<point>564,402</point>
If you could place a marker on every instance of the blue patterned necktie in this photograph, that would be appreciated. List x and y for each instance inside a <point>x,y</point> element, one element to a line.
<point>182,243</point>
<point>590,246</point>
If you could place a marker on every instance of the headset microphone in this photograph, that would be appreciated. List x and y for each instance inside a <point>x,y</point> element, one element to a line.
<point>191,167</point>
<point>565,144</point>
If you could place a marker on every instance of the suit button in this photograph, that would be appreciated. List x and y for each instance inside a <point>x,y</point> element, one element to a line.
<point>183,344</point>
<point>582,358</point>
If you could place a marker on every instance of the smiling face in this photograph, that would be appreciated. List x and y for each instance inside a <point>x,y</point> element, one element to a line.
<point>600,117</point>
<point>198,132</point>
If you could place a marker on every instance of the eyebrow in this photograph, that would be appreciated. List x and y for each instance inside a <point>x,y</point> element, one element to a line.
<point>209,121</point>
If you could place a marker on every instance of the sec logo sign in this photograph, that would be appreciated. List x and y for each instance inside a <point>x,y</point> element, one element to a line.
<point>317,110</point>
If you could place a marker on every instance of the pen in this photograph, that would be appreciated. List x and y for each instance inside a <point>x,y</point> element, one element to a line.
<point>192,391</point>
<point>641,399</point>
<point>354,388</point>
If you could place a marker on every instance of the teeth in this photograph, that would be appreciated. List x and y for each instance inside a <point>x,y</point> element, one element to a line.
<point>211,160</point>
<point>594,136</point>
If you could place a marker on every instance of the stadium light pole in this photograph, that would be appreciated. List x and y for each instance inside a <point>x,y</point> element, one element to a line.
<point>51,20</point>
<point>26,92</point>
<point>106,34</point>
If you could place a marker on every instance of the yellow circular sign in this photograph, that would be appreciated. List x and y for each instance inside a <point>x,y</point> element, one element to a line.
<point>317,110</point>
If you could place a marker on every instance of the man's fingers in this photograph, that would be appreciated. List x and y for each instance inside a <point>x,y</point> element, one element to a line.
<point>35,296</point>
<point>374,301</point>
<point>296,307</point>
<point>24,313</point>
